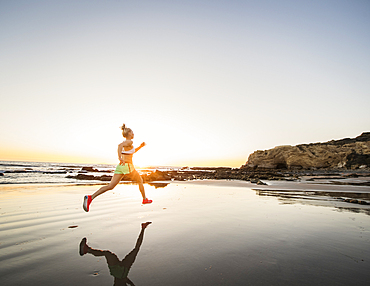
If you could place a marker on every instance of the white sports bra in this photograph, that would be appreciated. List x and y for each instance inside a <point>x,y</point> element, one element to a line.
<point>129,152</point>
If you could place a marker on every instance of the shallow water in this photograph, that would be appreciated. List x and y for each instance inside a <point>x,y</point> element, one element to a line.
<point>203,233</point>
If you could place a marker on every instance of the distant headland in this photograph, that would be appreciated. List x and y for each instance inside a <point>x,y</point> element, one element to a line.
<point>348,153</point>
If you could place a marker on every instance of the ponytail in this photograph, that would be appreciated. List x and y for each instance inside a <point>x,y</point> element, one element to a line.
<point>123,127</point>
<point>125,130</point>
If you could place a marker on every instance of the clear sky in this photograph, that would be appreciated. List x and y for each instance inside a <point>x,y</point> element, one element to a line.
<point>203,83</point>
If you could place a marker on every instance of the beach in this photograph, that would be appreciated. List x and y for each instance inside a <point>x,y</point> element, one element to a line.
<point>202,233</point>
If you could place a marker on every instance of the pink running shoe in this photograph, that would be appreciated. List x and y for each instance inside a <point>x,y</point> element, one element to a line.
<point>83,247</point>
<point>87,202</point>
<point>146,201</point>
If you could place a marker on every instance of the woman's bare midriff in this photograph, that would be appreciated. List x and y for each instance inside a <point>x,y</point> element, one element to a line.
<point>127,158</point>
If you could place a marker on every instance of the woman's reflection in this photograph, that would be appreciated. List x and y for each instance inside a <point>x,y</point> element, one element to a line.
<point>118,269</point>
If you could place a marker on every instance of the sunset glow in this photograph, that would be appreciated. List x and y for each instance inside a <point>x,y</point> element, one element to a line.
<point>202,83</point>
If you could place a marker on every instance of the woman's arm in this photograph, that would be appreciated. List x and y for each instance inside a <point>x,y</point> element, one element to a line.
<point>141,146</point>
<point>119,151</point>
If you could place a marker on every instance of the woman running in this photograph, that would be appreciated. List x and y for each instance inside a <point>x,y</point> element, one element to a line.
<point>125,167</point>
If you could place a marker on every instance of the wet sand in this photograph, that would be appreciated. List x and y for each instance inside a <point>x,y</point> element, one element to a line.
<point>202,233</point>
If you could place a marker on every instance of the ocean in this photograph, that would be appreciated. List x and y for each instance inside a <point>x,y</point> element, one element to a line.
<point>16,172</point>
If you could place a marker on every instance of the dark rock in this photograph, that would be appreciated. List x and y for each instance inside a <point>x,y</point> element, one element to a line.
<point>90,177</point>
<point>259,182</point>
<point>352,175</point>
<point>89,169</point>
<point>105,178</point>
<point>82,177</point>
<point>355,160</point>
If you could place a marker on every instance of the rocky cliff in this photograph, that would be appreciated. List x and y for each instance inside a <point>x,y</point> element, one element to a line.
<point>348,153</point>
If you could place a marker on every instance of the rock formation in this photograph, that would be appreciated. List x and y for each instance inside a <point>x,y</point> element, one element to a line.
<point>348,153</point>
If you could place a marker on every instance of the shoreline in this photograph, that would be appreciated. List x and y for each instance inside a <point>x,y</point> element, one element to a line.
<point>354,195</point>
<point>51,173</point>
<point>253,176</point>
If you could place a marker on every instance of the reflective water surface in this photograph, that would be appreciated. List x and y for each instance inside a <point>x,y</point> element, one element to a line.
<point>202,233</point>
<point>118,268</point>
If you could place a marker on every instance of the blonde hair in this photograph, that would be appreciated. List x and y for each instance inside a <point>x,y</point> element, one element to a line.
<point>125,130</point>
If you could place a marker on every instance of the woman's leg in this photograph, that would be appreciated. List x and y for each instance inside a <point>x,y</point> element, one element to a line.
<point>89,198</point>
<point>114,182</point>
<point>137,178</point>
<point>130,258</point>
<point>111,258</point>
